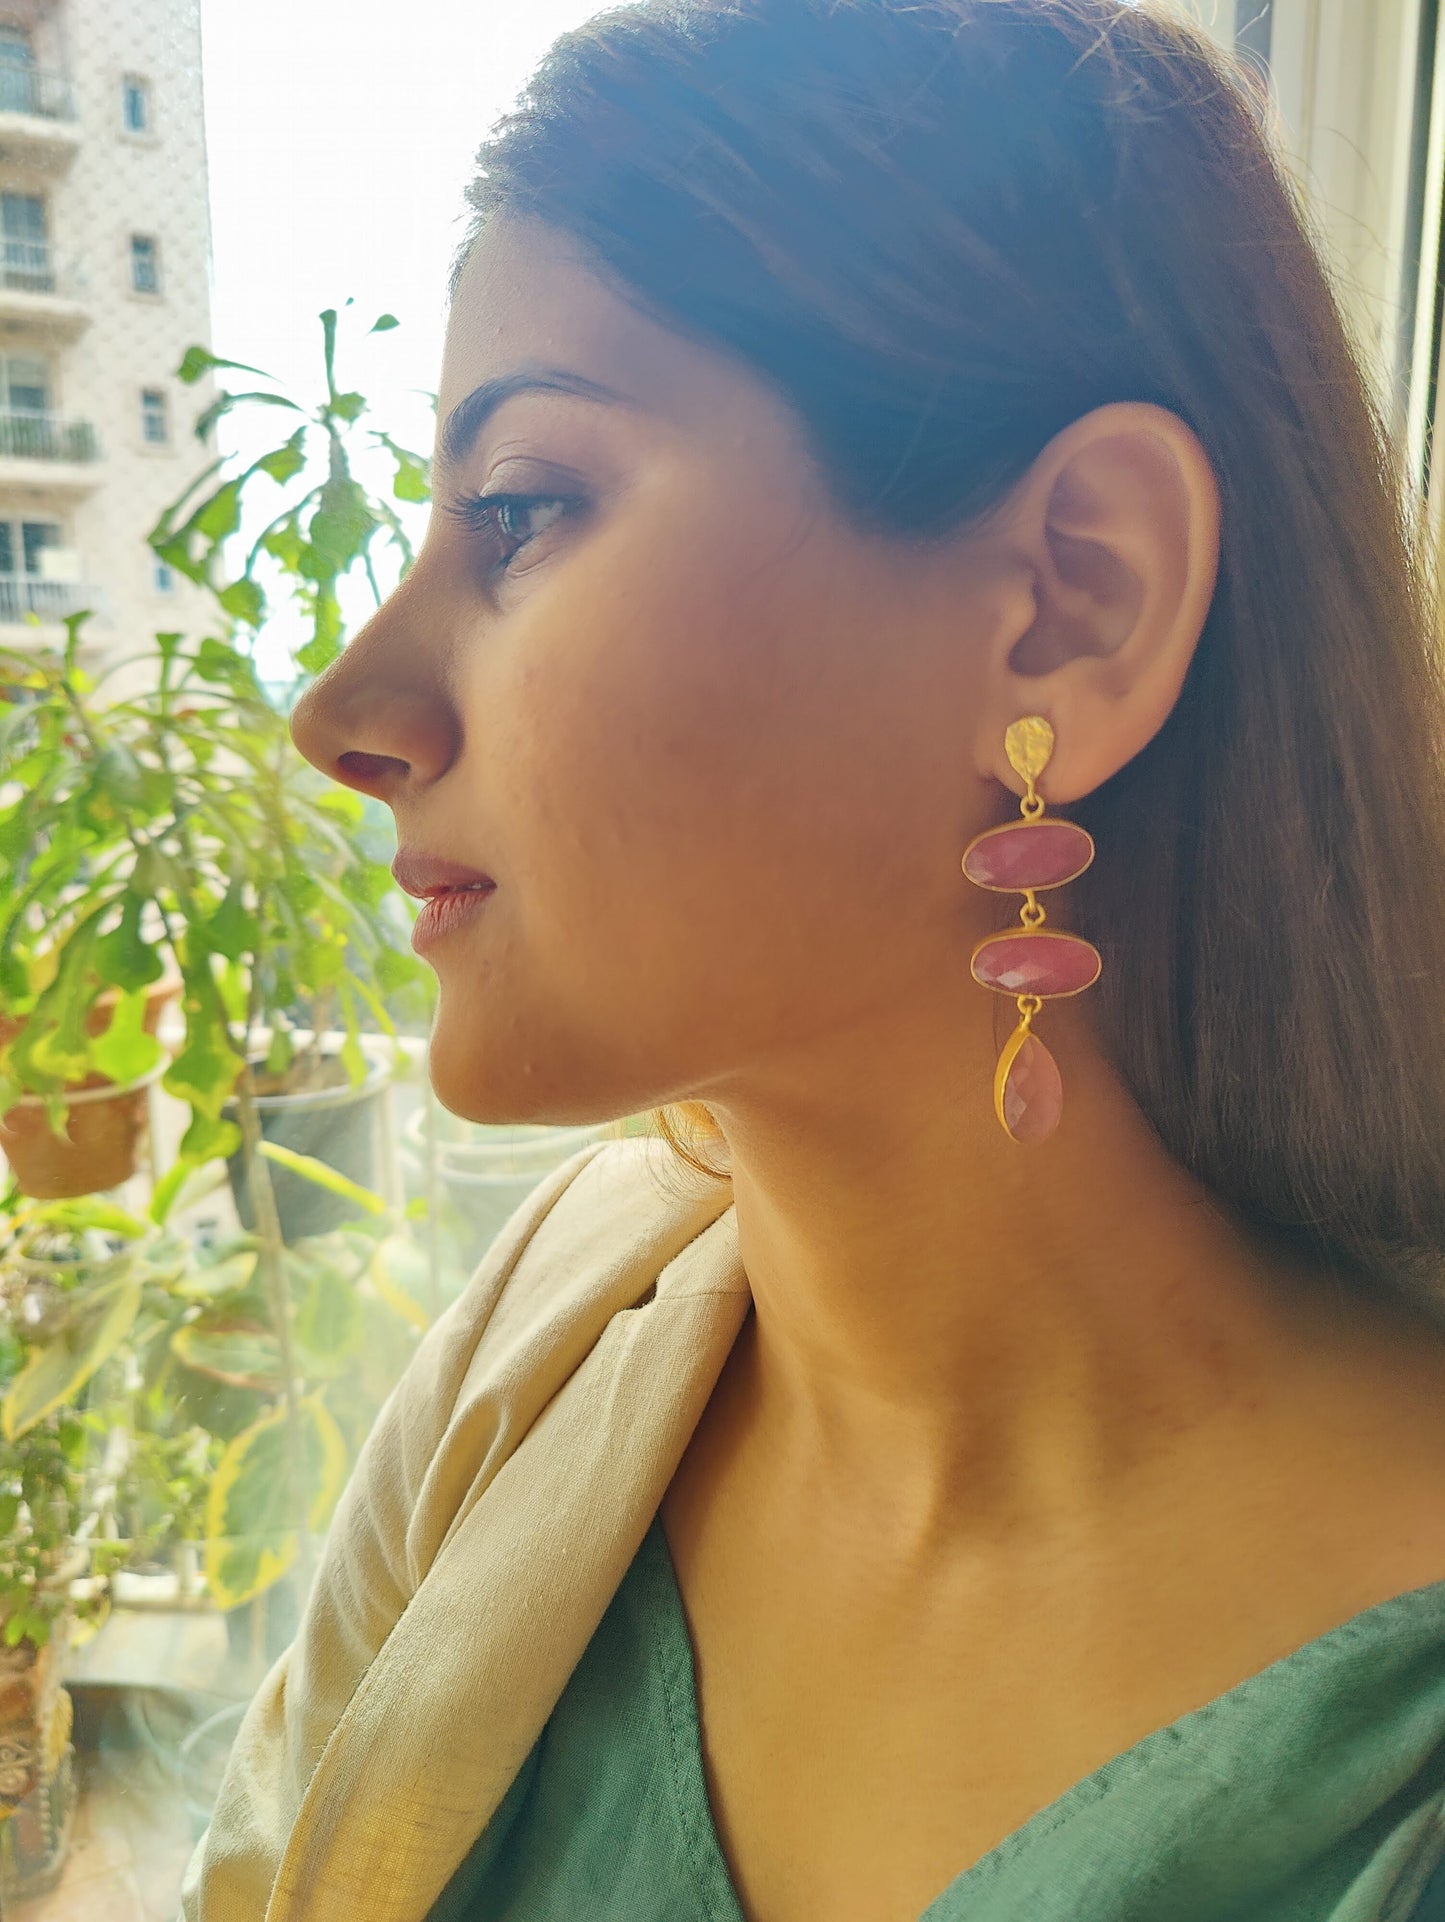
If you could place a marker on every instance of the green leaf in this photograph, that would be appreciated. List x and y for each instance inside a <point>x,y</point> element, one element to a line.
<point>228,1276</point>
<point>93,1211</point>
<point>353,1059</point>
<point>223,404</point>
<point>118,775</point>
<point>281,1053</point>
<point>198,360</point>
<point>319,652</point>
<point>400,1274</point>
<point>55,1374</point>
<point>328,335</point>
<point>285,462</point>
<point>218,661</point>
<point>396,970</point>
<point>384,323</point>
<point>250,1542</point>
<point>233,929</point>
<point>176,553</point>
<point>367,883</point>
<point>208,1139</point>
<point>125,1051</point>
<point>203,1073</point>
<point>125,959</point>
<point>186,1181</point>
<point>242,1354</point>
<point>348,407</point>
<point>341,526</point>
<point>221,514</point>
<point>310,1169</point>
<point>284,543</point>
<point>411,483</point>
<point>244,600</point>
<point>329,1322</point>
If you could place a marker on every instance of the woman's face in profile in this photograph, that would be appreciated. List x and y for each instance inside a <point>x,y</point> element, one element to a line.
<point>710,742</point>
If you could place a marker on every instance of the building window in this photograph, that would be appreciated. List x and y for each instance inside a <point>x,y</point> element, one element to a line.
<point>25,384</point>
<point>17,71</point>
<point>165,579</point>
<point>145,272</point>
<point>23,542</point>
<point>153,416</point>
<point>135,104</point>
<point>25,243</point>
<point>26,587</point>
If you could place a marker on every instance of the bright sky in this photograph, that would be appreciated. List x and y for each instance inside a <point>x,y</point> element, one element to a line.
<point>341,136</point>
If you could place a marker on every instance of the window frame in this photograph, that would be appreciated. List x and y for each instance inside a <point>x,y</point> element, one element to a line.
<point>161,411</point>
<point>152,241</point>
<point>139,86</point>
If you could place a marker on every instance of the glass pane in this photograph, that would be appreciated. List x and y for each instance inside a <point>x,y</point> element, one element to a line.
<point>36,536</point>
<point>7,547</point>
<point>143,264</point>
<point>17,72</point>
<point>27,384</point>
<point>135,105</point>
<point>22,217</point>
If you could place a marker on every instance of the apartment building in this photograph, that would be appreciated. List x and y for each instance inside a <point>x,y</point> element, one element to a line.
<point>104,282</point>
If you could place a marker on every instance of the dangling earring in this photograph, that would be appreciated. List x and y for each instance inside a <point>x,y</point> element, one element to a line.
<point>1028,1094</point>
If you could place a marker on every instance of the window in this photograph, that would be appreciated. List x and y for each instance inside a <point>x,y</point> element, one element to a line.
<point>153,416</point>
<point>25,243</point>
<point>26,588</point>
<point>145,273</point>
<point>17,71</point>
<point>28,540</point>
<point>25,384</point>
<point>165,579</point>
<point>135,104</point>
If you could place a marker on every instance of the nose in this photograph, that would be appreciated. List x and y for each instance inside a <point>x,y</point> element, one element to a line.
<point>378,719</point>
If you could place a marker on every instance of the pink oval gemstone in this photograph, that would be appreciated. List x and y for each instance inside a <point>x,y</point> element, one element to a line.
<point>1036,962</point>
<point>1032,1098</point>
<point>1028,854</point>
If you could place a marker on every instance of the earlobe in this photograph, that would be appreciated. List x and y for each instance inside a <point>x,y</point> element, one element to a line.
<point>1119,525</point>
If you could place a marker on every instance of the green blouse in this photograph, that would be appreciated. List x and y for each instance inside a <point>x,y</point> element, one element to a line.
<point>1314,1791</point>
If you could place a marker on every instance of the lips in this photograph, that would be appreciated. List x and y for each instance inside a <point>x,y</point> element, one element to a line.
<point>426,875</point>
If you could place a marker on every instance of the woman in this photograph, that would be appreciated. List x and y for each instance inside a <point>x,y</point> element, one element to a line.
<point>918,1486</point>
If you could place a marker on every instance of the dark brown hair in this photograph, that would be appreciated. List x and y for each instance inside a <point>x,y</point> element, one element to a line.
<point>943,230</point>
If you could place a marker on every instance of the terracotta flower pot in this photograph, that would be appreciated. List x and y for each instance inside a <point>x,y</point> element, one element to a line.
<point>37,1776</point>
<point>103,1120</point>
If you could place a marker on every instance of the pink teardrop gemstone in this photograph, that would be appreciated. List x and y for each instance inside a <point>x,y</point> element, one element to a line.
<point>1036,961</point>
<point>1028,854</point>
<point>1032,1099</point>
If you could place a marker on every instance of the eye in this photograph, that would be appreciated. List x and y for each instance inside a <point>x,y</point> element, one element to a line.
<point>497,515</point>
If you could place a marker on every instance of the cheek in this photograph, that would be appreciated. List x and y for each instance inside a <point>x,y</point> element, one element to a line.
<point>697,753</point>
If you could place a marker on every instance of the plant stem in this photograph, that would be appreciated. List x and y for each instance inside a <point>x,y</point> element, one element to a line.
<point>273,1271</point>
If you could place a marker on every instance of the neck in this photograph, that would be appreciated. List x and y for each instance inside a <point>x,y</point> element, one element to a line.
<point>995,1339</point>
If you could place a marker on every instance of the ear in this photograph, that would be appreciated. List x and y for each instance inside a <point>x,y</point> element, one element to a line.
<point>1110,546</point>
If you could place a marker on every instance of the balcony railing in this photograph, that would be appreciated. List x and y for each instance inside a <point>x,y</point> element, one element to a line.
<point>43,437</point>
<point>27,265</point>
<point>25,594</point>
<point>35,90</point>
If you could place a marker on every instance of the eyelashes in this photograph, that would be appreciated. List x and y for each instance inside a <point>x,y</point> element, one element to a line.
<point>490,514</point>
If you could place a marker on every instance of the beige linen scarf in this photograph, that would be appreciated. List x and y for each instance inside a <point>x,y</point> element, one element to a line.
<point>492,1513</point>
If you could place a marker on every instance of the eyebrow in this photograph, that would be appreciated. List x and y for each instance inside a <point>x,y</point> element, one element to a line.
<point>469,416</point>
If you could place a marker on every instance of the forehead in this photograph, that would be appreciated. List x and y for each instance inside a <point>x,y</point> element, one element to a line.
<point>526,297</point>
